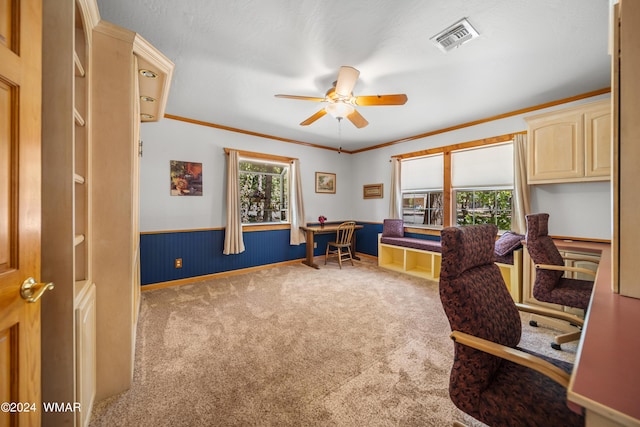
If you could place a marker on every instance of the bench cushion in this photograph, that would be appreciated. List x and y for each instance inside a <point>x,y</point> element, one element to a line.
<point>508,243</point>
<point>412,242</point>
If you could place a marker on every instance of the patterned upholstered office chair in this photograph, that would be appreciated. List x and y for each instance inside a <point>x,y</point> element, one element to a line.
<point>492,379</point>
<point>550,285</point>
<point>341,247</point>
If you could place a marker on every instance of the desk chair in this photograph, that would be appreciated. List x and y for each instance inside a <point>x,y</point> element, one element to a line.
<point>341,247</point>
<point>492,379</point>
<point>550,285</point>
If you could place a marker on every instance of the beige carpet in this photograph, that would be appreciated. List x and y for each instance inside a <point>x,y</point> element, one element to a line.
<point>294,346</point>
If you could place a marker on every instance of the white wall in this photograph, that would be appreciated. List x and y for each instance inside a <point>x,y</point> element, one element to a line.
<point>577,210</point>
<point>176,140</point>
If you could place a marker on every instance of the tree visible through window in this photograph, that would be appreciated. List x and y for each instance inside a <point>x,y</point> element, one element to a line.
<point>264,192</point>
<point>484,207</point>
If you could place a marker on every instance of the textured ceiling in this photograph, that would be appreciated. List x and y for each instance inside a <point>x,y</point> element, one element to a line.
<point>232,57</point>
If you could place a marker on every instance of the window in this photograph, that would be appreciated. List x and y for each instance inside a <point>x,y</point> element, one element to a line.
<point>484,207</point>
<point>477,188</point>
<point>482,179</point>
<point>264,191</point>
<point>422,208</point>
<point>422,180</point>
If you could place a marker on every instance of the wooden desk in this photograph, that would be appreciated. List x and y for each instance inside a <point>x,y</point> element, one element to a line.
<point>606,376</point>
<point>312,230</point>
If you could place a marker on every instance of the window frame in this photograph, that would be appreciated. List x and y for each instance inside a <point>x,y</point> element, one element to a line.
<point>268,159</point>
<point>448,196</point>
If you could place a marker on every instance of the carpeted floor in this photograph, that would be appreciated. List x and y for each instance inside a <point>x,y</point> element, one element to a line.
<point>294,346</point>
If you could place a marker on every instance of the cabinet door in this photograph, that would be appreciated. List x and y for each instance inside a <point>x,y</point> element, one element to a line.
<point>583,260</point>
<point>556,147</point>
<point>598,140</point>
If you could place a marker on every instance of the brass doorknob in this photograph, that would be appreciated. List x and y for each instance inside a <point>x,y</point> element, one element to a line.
<point>32,291</point>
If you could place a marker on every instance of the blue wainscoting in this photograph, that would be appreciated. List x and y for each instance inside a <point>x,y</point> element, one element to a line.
<point>201,251</point>
<point>367,238</point>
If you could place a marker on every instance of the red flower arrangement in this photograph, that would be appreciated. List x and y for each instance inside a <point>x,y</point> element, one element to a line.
<point>322,219</point>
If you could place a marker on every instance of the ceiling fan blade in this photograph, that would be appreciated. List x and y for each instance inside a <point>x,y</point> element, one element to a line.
<point>396,99</point>
<point>347,77</point>
<point>357,119</point>
<point>313,118</point>
<point>303,98</point>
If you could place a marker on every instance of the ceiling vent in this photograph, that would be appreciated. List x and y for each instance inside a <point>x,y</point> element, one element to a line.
<point>455,36</point>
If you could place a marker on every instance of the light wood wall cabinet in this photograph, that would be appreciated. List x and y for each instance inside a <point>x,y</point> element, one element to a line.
<point>68,326</point>
<point>626,112</point>
<point>130,84</point>
<point>570,145</point>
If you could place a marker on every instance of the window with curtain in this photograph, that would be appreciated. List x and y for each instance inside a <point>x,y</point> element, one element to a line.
<point>264,191</point>
<point>482,183</point>
<point>422,190</point>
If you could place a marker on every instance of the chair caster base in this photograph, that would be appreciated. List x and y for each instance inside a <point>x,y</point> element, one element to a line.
<point>533,323</point>
<point>556,346</point>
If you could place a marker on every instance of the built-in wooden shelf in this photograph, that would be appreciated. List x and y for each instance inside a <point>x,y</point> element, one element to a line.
<point>78,65</point>
<point>78,117</point>
<point>79,238</point>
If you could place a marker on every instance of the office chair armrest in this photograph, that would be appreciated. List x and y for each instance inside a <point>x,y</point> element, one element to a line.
<point>513,355</point>
<point>555,314</point>
<point>566,268</point>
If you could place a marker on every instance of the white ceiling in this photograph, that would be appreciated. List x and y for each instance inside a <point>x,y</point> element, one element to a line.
<point>232,57</point>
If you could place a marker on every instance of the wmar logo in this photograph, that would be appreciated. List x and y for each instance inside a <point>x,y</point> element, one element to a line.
<point>61,406</point>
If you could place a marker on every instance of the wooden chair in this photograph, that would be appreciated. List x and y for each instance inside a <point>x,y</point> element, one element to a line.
<point>341,247</point>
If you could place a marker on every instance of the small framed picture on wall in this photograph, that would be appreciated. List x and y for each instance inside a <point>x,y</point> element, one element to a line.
<point>372,191</point>
<point>185,178</point>
<point>325,182</point>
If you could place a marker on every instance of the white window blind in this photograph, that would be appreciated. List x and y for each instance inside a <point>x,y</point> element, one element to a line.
<point>422,173</point>
<point>490,166</point>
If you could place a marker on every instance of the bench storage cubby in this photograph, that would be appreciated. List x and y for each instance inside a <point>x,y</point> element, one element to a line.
<point>422,258</point>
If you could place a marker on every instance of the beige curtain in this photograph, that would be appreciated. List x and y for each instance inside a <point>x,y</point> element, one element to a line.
<point>296,205</point>
<point>521,198</point>
<point>233,243</point>
<point>395,204</point>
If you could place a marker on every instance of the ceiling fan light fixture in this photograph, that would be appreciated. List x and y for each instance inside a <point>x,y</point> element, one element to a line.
<point>339,110</point>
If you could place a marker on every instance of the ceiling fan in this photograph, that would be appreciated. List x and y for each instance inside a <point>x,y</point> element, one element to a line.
<point>341,102</point>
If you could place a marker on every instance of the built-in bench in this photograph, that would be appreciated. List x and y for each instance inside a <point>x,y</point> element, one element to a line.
<point>422,257</point>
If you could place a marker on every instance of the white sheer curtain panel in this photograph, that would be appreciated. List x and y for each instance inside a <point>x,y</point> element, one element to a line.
<point>297,207</point>
<point>395,204</point>
<point>521,198</point>
<point>233,243</point>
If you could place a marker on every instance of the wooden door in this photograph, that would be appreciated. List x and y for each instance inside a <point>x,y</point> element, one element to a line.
<point>20,115</point>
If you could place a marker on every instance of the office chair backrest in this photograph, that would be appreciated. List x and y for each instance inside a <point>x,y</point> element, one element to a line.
<point>542,250</point>
<point>476,301</point>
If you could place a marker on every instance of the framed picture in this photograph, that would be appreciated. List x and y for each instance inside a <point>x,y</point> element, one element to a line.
<point>325,182</point>
<point>186,178</point>
<point>372,191</point>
